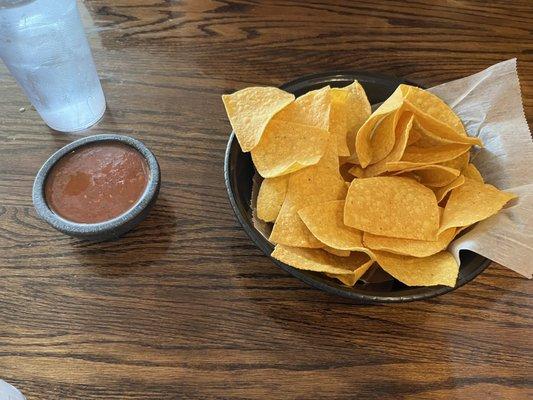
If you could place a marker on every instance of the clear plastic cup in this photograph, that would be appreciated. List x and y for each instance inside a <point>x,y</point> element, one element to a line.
<point>8,392</point>
<point>43,44</point>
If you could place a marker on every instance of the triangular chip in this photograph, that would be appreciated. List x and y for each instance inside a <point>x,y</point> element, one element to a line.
<point>351,279</point>
<point>319,260</point>
<point>311,109</point>
<point>409,247</point>
<point>336,252</point>
<point>430,104</point>
<point>472,172</point>
<point>363,145</point>
<point>438,269</point>
<point>439,131</point>
<point>383,137</point>
<point>403,129</point>
<point>357,111</point>
<point>326,223</point>
<point>271,196</point>
<point>472,202</point>
<point>338,121</point>
<point>441,192</point>
<point>434,155</point>
<point>287,147</point>
<point>434,175</point>
<point>316,184</point>
<point>249,111</point>
<point>459,163</point>
<point>392,206</point>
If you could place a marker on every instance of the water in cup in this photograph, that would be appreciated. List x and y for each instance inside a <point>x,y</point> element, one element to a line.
<point>43,44</point>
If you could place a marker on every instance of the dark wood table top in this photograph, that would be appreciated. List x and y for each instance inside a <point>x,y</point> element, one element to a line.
<point>185,306</point>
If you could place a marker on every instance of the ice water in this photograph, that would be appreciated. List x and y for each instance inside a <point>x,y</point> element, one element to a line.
<point>43,44</point>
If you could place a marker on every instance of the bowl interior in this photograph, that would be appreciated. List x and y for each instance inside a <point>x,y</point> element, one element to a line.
<point>239,172</point>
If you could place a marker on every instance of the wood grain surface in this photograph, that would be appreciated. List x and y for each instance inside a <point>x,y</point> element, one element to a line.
<point>185,306</point>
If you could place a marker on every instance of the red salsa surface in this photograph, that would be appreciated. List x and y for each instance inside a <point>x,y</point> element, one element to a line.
<point>97,182</point>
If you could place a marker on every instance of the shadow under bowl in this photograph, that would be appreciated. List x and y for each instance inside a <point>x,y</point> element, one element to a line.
<point>110,229</point>
<point>239,172</point>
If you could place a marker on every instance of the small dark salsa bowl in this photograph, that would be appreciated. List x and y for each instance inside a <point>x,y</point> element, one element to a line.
<point>113,228</point>
<point>239,172</point>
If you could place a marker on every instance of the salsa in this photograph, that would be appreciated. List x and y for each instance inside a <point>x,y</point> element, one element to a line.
<point>96,182</point>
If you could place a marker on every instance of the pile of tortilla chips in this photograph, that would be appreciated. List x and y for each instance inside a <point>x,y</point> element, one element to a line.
<point>346,188</point>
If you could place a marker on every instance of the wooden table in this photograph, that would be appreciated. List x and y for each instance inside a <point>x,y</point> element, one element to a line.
<point>185,306</point>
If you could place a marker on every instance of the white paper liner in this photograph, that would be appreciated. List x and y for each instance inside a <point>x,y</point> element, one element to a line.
<point>490,105</point>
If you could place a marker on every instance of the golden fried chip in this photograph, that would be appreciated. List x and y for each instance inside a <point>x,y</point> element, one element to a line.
<point>432,105</point>
<point>311,109</point>
<point>383,137</point>
<point>337,252</point>
<point>271,196</point>
<point>326,223</point>
<point>459,163</point>
<point>319,260</point>
<point>287,147</point>
<point>338,121</point>
<point>351,279</point>
<point>472,172</point>
<point>357,112</point>
<point>441,192</point>
<point>409,247</point>
<point>439,131</point>
<point>438,269</point>
<point>472,202</point>
<point>403,129</point>
<point>392,206</point>
<point>434,175</point>
<point>434,155</point>
<point>311,185</point>
<point>363,145</point>
<point>249,111</point>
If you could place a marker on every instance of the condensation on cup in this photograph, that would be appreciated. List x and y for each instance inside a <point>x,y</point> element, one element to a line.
<point>43,44</point>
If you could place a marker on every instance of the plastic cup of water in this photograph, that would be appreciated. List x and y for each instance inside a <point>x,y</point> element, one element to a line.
<point>43,44</point>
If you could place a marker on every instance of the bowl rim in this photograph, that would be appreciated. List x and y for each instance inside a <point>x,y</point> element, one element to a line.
<point>353,293</point>
<point>76,228</point>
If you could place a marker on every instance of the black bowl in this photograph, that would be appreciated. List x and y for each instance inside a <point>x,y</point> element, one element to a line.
<point>239,171</point>
<point>106,230</point>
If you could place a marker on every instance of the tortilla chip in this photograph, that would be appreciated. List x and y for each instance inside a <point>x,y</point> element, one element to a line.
<point>357,112</point>
<point>250,110</point>
<point>459,163</point>
<point>363,145</point>
<point>316,184</point>
<point>434,175</point>
<point>336,252</point>
<point>271,196</point>
<point>338,121</point>
<point>403,129</point>
<point>383,137</point>
<point>472,202</point>
<point>432,105</point>
<point>439,131</point>
<point>472,172</point>
<point>326,223</point>
<point>311,109</point>
<point>319,260</point>
<point>409,247</point>
<point>434,155</point>
<point>438,269</point>
<point>392,206</point>
<point>441,192</point>
<point>351,279</point>
<point>287,147</point>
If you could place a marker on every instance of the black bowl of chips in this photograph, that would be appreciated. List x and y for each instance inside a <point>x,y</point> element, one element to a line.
<point>375,286</point>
